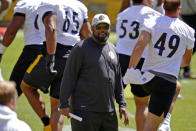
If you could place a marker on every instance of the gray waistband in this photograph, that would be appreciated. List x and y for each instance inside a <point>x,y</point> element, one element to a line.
<point>168,77</point>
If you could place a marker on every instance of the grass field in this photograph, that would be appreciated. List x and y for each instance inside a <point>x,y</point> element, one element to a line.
<point>183,116</point>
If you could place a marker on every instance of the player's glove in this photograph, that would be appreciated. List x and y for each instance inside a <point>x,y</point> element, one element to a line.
<point>50,62</point>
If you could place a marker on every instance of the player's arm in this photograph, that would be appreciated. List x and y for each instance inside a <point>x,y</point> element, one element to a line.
<point>85,31</point>
<point>49,20</point>
<point>187,58</point>
<point>15,25</point>
<point>143,40</point>
<point>125,4</point>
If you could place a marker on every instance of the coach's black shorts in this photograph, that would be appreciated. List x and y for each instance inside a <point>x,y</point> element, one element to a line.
<point>27,56</point>
<point>161,92</point>
<point>137,90</point>
<point>38,77</point>
<point>95,121</point>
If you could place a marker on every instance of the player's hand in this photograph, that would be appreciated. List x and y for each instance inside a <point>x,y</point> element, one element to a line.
<point>50,62</point>
<point>123,112</point>
<point>65,111</point>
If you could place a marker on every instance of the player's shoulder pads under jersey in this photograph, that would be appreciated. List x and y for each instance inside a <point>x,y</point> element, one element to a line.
<point>149,15</point>
<point>56,3</point>
<point>23,5</point>
<point>83,9</point>
<point>81,5</point>
<point>187,30</point>
<point>140,11</point>
<point>20,6</point>
<point>149,12</point>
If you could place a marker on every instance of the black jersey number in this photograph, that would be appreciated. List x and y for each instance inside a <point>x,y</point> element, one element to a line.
<point>35,22</point>
<point>67,23</point>
<point>134,33</point>
<point>122,26</point>
<point>135,25</point>
<point>174,41</point>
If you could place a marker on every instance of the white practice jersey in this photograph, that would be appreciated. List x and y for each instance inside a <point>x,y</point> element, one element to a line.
<point>28,9</point>
<point>128,27</point>
<point>170,39</point>
<point>71,15</point>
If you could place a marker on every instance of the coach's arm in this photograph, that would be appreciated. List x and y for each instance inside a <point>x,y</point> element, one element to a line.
<point>119,95</point>
<point>69,80</point>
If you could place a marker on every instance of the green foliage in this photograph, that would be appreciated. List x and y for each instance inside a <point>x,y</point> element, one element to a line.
<point>183,116</point>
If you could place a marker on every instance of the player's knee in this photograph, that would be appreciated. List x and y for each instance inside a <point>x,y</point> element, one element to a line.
<point>61,120</point>
<point>57,119</point>
<point>141,101</point>
<point>25,87</point>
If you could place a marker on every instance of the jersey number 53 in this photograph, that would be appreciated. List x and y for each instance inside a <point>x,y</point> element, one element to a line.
<point>135,29</point>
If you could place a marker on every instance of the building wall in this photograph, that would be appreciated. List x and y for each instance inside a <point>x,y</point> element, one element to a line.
<point>109,7</point>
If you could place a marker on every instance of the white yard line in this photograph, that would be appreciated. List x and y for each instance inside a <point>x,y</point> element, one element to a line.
<point>184,81</point>
<point>131,115</point>
<point>126,129</point>
<point>194,129</point>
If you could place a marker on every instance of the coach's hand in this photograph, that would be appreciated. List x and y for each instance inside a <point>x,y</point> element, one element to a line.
<point>50,62</point>
<point>64,111</point>
<point>122,111</point>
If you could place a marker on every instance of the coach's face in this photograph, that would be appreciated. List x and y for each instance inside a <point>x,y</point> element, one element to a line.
<point>101,32</point>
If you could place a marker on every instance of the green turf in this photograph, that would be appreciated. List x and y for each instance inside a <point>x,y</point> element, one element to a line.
<point>183,116</point>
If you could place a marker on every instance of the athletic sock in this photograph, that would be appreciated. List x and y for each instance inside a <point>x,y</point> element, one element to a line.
<point>167,119</point>
<point>187,69</point>
<point>45,120</point>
